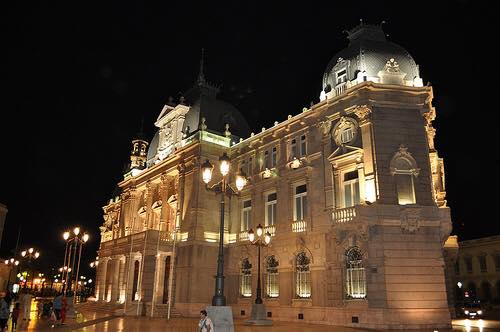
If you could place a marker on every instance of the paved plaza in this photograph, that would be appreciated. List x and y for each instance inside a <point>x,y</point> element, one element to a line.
<point>92,321</point>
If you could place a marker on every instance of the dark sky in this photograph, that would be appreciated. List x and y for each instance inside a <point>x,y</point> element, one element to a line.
<point>77,79</point>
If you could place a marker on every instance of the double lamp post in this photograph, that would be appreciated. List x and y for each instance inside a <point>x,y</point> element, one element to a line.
<point>74,242</point>
<point>223,187</point>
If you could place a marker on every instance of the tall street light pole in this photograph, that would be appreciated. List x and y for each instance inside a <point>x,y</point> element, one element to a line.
<point>224,314</point>
<point>75,240</point>
<point>259,314</point>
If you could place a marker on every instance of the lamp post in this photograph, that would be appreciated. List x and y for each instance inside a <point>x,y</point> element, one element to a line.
<point>30,254</point>
<point>258,316</point>
<point>224,188</point>
<point>75,240</point>
<point>11,263</point>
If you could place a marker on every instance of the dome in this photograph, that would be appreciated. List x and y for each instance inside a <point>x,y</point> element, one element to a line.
<point>368,53</point>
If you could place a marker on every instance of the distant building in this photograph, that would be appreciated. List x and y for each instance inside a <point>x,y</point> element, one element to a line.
<point>477,269</point>
<point>351,190</point>
<point>3,214</point>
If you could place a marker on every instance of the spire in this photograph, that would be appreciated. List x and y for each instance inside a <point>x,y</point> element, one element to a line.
<point>201,75</point>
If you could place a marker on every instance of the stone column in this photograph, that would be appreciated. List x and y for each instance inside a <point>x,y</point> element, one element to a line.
<point>115,289</point>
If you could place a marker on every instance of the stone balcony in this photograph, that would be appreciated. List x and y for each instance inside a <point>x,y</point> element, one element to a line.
<point>344,215</point>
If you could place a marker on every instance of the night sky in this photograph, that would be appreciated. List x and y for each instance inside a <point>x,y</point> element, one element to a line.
<point>78,79</point>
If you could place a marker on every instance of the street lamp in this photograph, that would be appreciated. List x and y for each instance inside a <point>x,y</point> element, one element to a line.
<point>224,188</point>
<point>11,263</point>
<point>258,316</point>
<point>30,254</point>
<point>75,240</point>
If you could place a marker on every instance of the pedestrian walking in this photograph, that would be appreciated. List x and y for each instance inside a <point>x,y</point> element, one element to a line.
<point>205,323</point>
<point>15,315</point>
<point>25,299</point>
<point>4,312</point>
<point>64,308</point>
<point>58,303</point>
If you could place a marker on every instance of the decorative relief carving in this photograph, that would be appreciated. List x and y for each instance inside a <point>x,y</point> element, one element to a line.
<point>363,113</point>
<point>345,131</point>
<point>410,219</point>
<point>403,154</point>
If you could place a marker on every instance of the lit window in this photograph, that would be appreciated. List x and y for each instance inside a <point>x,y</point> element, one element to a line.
<point>346,134</point>
<point>300,203</point>
<point>404,169</point>
<point>246,215</point>
<point>341,76</point>
<point>355,278</point>
<point>274,157</point>
<point>246,278</point>
<point>266,160</point>
<point>302,276</point>
<point>303,145</point>
<point>272,277</point>
<point>271,202</point>
<point>351,189</point>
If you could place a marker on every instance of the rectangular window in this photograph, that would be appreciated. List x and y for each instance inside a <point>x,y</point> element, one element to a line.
<point>271,202</point>
<point>351,189</point>
<point>468,263</point>
<point>303,145</point>
<point>266,160</point>
<point>356,281</point>
<point>303,283</point>
<point>274,157</point>
<point>293,149</point>
<point>341,76</point>
<point>497,262</point>
<point>246,215</point>
<point>272,283</point>
<point>405,189</point>
<point>300,203</point>
<point>482,263</point>
<point>249,170</point>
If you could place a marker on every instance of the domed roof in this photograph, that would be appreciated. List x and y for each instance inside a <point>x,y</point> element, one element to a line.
<point>368,51</point>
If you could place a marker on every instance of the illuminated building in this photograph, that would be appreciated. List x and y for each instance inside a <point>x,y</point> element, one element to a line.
<point>352,190</point>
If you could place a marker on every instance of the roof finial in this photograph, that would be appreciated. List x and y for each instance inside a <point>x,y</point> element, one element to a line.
<point>201,75</point>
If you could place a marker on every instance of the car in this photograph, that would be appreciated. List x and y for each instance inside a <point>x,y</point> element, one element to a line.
<point>473,310</point>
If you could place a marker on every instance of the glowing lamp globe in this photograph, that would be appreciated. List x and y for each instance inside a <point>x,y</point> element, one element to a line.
<point>259,230</point>
<point>206,171</point>
<point>267,238</point>
<point>241,181</point>
<point>66,235</point>
<point>251,235</point>
<point>224,164</point>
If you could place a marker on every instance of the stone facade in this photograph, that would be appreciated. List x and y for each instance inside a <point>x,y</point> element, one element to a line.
<point>351,190</point>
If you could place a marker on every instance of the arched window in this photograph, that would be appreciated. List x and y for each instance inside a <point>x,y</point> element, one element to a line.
<point>246,278</point>
<point>302,276</point>
<point>135,294</point>
<point>355,274</point>
<point>404,170</point>
<point>272,280</point>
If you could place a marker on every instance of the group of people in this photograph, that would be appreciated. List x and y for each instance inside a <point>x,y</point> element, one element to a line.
<point>23,303</point>
<point>55,311</point>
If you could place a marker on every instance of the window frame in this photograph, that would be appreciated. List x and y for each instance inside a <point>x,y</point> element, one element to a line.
<point>246,211</point>
<point>274,205</point>
<point>303,197</point>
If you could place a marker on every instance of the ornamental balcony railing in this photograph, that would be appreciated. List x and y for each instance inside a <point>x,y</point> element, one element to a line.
<point>344,215</point>
<point>299,226</point>
<point>167,236</point>
<point>243,236</point>
<point>271,229</point>
<point>340,88</point>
